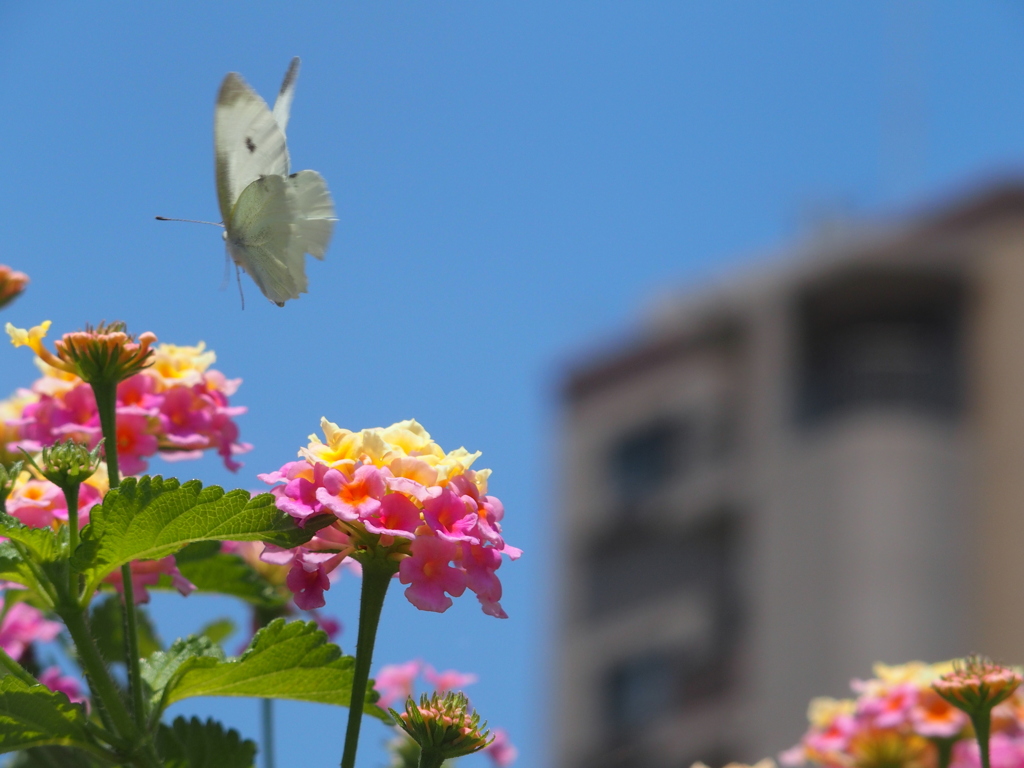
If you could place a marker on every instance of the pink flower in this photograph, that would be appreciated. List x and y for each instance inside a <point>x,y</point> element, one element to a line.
<point>449,517</point>
<point>394,682</point>
<point>396,494</point>
<point>36,503</point>
<point>24,625</point>
<point>308,579</point>
<point>39,503</point>
<point>397,516</point>
<point>134,440</point>
<point>449,680</point>
<point>500,750</point>
<point>833,738</point>
<point>178,414</point>
<point>1005,751</point>
<point>298,496</point>
<point>147,573</point>
<point>55,681</point>
<point>480,564</point>
<point>428,572</point>
<point>355,496</point>
<point>892,709</point>
<point>933,716</point>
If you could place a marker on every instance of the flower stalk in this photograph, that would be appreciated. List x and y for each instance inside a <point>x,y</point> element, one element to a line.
<point>377,574</point>
<point>975,686</point>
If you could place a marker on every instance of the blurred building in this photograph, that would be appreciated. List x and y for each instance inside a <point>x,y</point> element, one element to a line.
<point>782,480</point>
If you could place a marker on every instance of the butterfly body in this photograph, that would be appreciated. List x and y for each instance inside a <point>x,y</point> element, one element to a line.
<point>271,218</point>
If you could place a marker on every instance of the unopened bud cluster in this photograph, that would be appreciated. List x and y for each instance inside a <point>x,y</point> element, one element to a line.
<point>105,353</point>
<point>444,726</point>
<point>8,477</point>
<point>67,462</point>
<point>976,685</point>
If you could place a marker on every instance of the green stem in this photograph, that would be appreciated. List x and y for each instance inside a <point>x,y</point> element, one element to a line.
<point>430,760</point>
<point>131,647</point>
<point>71,497</point>
<point>100,681</point>
<point>106,403</point>
<point>377,573</point>
<point>944,747</point>
<point>16,669</point>
<point>982,722</point>
<point>267,710</point>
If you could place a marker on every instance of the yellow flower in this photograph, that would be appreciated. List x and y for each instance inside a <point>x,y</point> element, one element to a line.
<point>823,710</point>
<point>173,364</point>
<point>455,463</point>
<point>411,439</point>
<point>33,339</point>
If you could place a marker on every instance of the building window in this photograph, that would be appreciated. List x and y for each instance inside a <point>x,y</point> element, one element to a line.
<point>697,565</point>
<point>881,340</point>
<point>639,689</point>
<point>636,563</point>
<point>643,461</point>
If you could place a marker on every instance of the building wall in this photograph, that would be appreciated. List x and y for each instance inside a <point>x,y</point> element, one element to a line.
<point>878,519</point>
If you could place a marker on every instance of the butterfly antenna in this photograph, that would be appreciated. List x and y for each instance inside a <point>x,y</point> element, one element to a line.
<point>190,221</point>
<point>238,276</point>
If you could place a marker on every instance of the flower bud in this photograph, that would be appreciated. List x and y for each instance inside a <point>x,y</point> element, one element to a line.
<point>105,353</point>
<point>12,283</point>
<point>976,685</point>
<point>67,462</point>
<point>444,727</point>
<point>8,477</point>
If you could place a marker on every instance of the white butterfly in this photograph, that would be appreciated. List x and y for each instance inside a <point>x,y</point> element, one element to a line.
<point>271,218</point>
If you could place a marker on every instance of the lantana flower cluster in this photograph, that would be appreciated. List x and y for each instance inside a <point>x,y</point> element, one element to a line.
<point>178,407</point>
<point>898,718</point>
<point>397,489</point>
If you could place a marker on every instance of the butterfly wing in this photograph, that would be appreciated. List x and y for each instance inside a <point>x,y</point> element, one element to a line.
<point>283,104</point>
<point>314,213</point>
<point>248,143</point>
<point>259,236</point>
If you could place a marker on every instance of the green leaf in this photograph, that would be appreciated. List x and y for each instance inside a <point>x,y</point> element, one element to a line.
<point>43,546</point>
<point>14,568</point>
<point>42,543</point>
<point>195,744</point>
<point>107,623</point>
<point>284,661</point>
<point>149,518</point>
<point>161,669</point>
<point>218,631</point>
<point>35,716</point>
<point>211,570</point>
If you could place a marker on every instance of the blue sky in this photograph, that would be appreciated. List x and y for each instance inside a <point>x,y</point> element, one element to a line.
<point>514,181</point>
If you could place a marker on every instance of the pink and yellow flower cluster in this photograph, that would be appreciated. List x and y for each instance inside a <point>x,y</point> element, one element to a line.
<point>393,488</point>
<point>898,718</point>
<point>178,407</point>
